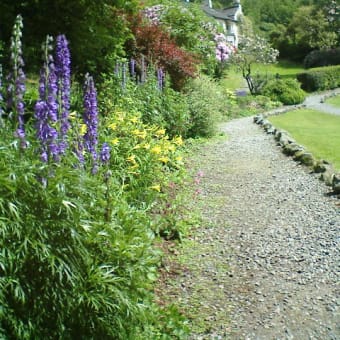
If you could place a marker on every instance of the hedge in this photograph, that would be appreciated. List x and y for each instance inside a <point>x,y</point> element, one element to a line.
<point>318,58</point>
<point>321,78</point>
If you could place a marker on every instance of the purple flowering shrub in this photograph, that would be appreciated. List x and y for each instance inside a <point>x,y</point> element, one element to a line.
<point>76,240</point>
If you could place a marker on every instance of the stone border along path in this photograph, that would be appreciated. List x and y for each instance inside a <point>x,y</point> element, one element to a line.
<point>264,264</point>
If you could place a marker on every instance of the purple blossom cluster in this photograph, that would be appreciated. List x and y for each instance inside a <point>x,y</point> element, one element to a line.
<point>223,48</point>
<point>105,153</point>
<point>160,78</point>
<point>154,13</point>
<point>51,110</point>
<point>63,72</point>
<point>16,80</point>
<point>90,117</point>
<point>1,97</point>
<point>46,108</point>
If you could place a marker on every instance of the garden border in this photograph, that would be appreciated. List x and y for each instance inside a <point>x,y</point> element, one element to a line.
<point>291,148</point>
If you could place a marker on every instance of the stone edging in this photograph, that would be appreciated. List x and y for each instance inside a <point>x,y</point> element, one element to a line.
<point>291,148</point>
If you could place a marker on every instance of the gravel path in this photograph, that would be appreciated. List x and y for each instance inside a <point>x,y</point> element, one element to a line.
<point>265,262</point>
<point>316,101</point>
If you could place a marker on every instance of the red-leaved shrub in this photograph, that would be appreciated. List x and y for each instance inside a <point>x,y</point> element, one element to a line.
<point>158,48</point>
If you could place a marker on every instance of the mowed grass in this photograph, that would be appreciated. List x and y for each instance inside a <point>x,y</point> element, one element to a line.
<point>318,132</point>
<point>334,101</point>
<point>233,78</point>
<point>286,69</point>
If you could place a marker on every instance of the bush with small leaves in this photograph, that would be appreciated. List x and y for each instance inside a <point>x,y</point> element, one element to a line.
<point>286,91</point>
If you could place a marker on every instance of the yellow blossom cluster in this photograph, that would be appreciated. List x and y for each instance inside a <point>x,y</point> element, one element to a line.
<point>142,152</point>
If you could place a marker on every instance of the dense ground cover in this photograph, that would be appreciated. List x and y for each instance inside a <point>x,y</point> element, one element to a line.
<point>317,131</point>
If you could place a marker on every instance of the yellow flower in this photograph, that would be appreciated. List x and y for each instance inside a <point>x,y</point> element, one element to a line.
<point>115,141</point>
<point>163,159</point>
<point>83,129</point>
<point>156,187</point>
<point>136,147</point>
<point>134,119</point>
<point>131,159</point>
<point>134,166</point>
<point>179,158</point>
<point>171,147</point>
<point>178,140</point>
<point>72,115</point>
<point>156,149</point>
<point>146,146</point>
<point>113,126</point>
<point>160,132</point>
<point>138,133</point>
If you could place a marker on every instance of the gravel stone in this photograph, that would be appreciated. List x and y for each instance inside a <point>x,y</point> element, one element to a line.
<point>271,232</point>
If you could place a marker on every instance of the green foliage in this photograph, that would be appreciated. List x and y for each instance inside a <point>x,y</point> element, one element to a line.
<point>207,104</point>
<point>317,79</point>
<point>250,105</point>
<point>97,30</point>
<point>287,91</point>
<point>322,58</point>
<point>190,28</point>
<point>295,27</point>
<point>253,49</point>
<point>166,108</point>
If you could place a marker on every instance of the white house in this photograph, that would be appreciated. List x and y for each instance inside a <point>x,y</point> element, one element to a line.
<point>228,17</point>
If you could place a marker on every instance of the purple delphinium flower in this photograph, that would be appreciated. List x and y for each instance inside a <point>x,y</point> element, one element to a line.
<point>1,97</point>
<point>160,78</point>
<point>46,108</point>
<point>105,153</point>
<point>63,73</point>
<point>133,68</point>
<point>124,75</point>
<point>90,117</point>
<point>16,88</point>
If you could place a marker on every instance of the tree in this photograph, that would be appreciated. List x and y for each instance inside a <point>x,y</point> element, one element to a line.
<point>96,30</point>
<point>310,27</point>
<point>253,49</point>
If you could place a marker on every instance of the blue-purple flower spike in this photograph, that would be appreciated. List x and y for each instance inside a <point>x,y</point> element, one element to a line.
<point>46,108</point>
<point>1,97</point>
<point>160,78</point>
<point>90,117</point>
<point>16,87</point>
<point>63,73</point>
<point>105,153</point>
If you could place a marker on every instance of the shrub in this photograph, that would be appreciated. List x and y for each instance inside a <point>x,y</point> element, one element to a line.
<point>287,91</point>
<point>323,78</point>
<point>166,108</point>
<point>156,44</point>
<point>322,58</point>
<point>207,104</point>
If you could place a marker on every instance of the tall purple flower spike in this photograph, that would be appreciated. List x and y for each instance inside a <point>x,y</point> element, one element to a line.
<point>1,97</point>
<point>90,117</point>
<point>105,153</point>
<point>46,108</point>
<point>16,88</point>
<point>63,73</point>
<point>133,68</point>
<point>160,78</point>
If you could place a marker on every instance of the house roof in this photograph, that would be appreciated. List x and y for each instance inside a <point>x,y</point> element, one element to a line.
<point>225,14</point>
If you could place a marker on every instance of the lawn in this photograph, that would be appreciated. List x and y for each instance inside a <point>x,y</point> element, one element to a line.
<point>233,78</point>
<point>286,69</point>
<point>334,101</point>
<point>318,132</point>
